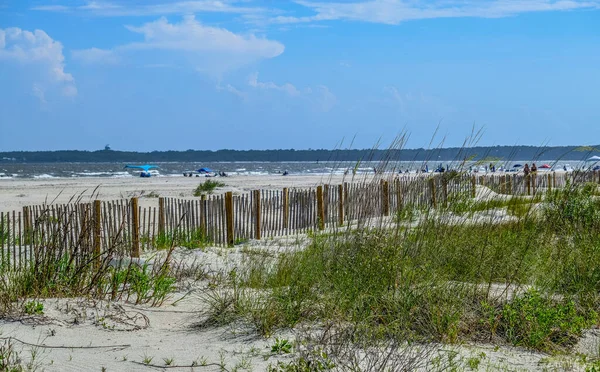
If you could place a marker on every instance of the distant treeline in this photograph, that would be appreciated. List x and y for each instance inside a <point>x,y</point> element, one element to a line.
<point>442,154</point>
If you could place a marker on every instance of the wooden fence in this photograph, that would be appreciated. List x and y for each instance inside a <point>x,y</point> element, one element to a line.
<point>85,230</point>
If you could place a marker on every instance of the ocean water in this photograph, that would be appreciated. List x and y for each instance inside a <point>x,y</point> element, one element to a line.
<point>9,169</point>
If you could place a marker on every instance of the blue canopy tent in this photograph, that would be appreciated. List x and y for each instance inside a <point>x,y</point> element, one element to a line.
<point>145,169</point>
<point>205,170</point>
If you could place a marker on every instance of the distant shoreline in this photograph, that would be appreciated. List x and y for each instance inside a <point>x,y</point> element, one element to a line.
<point>489,153</point>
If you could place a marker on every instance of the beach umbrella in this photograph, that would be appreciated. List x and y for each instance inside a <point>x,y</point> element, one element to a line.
<point>517,165</point>
<point>594,158</point>
<point>545,166</point>
<point>204,170</point>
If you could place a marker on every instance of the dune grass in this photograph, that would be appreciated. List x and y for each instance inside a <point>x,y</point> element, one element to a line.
<point>530,281</point>
<point>207,187</point>
<point>56,270</point>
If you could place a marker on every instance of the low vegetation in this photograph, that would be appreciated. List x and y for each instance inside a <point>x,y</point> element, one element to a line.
<point>207,187</point>
<point>530,281</point>
<point>529,278</point>
<point>56,271</point>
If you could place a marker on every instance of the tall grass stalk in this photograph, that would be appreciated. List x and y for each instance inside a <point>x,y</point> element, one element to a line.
<point>517,270</point>
<point>58,269</point>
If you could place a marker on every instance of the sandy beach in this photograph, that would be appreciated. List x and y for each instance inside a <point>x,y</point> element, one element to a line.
<point>16,193</point>
<point>80,334</point>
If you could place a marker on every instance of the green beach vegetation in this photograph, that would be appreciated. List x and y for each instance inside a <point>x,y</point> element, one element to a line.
<point>528,279</point>
<point>207,187</point>
<point>375,293</point>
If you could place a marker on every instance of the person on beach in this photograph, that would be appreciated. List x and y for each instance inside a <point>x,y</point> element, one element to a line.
<point>533,168</point>
<point>526,169</point>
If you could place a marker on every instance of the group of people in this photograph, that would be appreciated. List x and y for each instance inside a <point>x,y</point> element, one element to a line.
<point>527,170</point>
<point>190,174</point>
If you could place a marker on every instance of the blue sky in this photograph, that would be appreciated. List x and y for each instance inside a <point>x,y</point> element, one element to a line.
<point>248,74</point>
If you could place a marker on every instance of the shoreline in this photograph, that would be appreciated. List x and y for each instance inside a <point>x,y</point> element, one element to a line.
<point>17,193</point>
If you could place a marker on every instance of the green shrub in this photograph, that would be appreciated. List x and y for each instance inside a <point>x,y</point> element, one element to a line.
<point>207,187</point>
<point>281,346</point>
<point>538,322</point>
<point>33,308</point>
<point>192,239</point>
<point>573,207</point>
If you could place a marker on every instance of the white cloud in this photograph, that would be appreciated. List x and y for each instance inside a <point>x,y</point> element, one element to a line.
<point>320,97</point>
<point>95,56</point>
<point>397,11</point>
<point>231,89</point>
<point>103,8</point>
<point>37,49</point>
<point>38,92</point>
<point>287,87</point>
<point>192,36</point>
<point>417,105</point>
<point>208,49</point>
<point>325,99</point>
<point>52,8</point>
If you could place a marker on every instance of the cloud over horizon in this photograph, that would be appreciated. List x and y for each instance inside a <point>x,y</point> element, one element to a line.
<point>112,9</point>
<point>394,12</point>
<point>207,47</point>
<point>36,48</point>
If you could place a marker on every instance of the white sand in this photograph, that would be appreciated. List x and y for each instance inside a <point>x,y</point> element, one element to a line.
<point>16,193</point>
<point>122,334</point>
<point>85,335</point>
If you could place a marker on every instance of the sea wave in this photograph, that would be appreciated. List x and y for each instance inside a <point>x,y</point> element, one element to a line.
<point>121,175</point>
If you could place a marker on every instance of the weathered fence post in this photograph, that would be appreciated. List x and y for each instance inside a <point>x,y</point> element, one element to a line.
<point>203,223</point>
<point>549,182</point>
<point>473,186</point>
<point>26,225</point>
<point>161,216</point>
<point>445,190</point>
<point>257,214</point>
<point>286,208</point>
<point>25,218</point>
<point>341,205</point>
<point>85,226</point>
<point>135,229</point>
<point>326,200</point>
<point>346,192</point>
<point>97,231</point>
<point>320,208</point>
<point>528,182</point>
<point>229,217</point>
<point>500,184</point>
<point>534,182</point>
<point>385,195</point>
<point>399,200</point>
<point>433,196</point>
<point>554,179</point>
